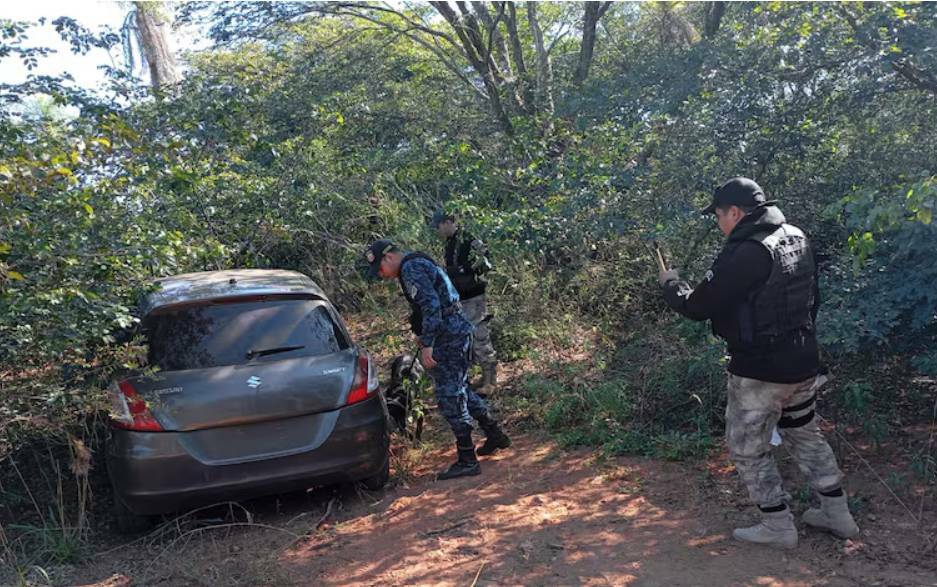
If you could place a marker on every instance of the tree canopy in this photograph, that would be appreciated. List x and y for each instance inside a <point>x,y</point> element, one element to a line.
<point>566,134</point>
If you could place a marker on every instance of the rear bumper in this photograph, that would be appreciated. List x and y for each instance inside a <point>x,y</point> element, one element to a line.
<point>152,473</point>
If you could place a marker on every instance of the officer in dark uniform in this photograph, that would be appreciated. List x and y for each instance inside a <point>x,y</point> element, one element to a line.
<point>445,335</point>
<point>761,296</point>
<point>467,263</point>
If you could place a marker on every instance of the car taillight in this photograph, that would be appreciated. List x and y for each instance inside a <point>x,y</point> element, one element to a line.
<point>365,383</point>
<point>129,410</point>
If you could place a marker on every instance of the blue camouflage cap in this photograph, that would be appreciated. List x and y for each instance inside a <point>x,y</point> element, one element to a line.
<point>375,253</point>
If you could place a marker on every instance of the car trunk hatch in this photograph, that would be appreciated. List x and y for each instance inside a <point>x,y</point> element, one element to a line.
<point>247,379</point>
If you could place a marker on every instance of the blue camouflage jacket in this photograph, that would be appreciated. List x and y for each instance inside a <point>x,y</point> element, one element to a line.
<point>427,286</point>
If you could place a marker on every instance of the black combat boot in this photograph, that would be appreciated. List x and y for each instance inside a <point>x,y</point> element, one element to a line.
<point>495,438</point>
<point>467,465</point>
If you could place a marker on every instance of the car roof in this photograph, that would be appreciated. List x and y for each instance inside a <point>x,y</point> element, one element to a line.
<point>213,285</point>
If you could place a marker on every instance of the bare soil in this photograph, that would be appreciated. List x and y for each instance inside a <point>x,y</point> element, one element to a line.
<point>537,515</point>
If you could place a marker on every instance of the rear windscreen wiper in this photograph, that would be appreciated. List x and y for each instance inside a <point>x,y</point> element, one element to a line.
<point>280,349</point>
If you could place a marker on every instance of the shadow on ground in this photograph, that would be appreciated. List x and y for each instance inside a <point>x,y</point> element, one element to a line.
<point>542,517</point>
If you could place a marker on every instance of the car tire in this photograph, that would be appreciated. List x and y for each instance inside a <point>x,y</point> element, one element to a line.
<point>127,521</point>
<point>378,481</point>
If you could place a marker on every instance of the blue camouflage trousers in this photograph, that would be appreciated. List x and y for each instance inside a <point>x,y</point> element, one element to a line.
<point>457,403</point>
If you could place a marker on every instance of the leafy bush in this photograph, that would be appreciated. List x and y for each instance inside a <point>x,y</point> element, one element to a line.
<point>649,398</point>
<point>885,292</point>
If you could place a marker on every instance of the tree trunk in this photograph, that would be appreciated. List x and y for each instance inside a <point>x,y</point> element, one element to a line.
<point>593,11</point>
<point>675,29</point>
<point>714,14</point>
<point>544,67</point>
<point>153,38</point>
<point>517,53</point>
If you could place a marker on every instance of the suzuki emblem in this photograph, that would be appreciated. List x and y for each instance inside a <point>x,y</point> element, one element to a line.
<point>254,382</point>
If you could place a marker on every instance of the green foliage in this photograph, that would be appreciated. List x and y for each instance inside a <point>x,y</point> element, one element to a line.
<point>926,363</point>
<point>858,399</point>
<point>650,398</point>
<point>307,138</point>
<point>924,465</point>
<point>863,403</point>
<point>886,292</point>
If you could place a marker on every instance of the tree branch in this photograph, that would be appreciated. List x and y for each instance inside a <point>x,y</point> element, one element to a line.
<point>470,38</point>
<point>919,78</point>
<point>517,52</point>
<point>495,41</point>
<point>407,32</point>
<point>352,7</point>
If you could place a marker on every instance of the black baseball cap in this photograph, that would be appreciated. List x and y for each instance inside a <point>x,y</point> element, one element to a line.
<point>374,253</point>
<point>738,191</point>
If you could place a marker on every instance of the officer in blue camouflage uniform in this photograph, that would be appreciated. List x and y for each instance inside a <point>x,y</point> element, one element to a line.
<point>445,335</point>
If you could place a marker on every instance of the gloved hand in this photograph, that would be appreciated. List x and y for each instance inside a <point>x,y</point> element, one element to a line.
<point>668,275</point>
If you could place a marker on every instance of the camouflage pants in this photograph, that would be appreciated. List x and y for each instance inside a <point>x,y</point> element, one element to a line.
<point>457,403</point>
<point>754,409</point>
<point>475,310</point>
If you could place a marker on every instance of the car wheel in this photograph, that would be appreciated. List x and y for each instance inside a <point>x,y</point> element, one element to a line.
<point>129,522</point>
<point>378,481</point>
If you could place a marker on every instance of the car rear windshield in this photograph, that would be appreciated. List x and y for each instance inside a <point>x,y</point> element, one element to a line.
<point>216,334</point>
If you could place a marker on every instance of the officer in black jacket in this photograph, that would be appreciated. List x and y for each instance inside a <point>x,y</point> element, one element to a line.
<point>761,297</point>
<point>467,263</point>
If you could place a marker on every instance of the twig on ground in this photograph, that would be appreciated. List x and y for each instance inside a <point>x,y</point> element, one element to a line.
<point>294,518</point>
<point>189,534</point>
<point>445,529</point>
<point>478,574</point>
<point>308,533</point>
<point>175,522</point>
<point>328,512</point>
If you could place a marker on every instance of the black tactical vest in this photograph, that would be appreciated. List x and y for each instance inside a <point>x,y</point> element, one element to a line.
<point>783,306</point>
<point>468,282</point>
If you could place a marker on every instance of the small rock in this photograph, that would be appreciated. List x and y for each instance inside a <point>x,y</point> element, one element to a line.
<point>872,517</point>
<point>852,547</point>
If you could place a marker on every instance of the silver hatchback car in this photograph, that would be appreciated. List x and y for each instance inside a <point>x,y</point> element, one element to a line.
<point>259,389</point>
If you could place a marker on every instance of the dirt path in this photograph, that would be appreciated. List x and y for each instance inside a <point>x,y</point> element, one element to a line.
<point>536,516</point>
